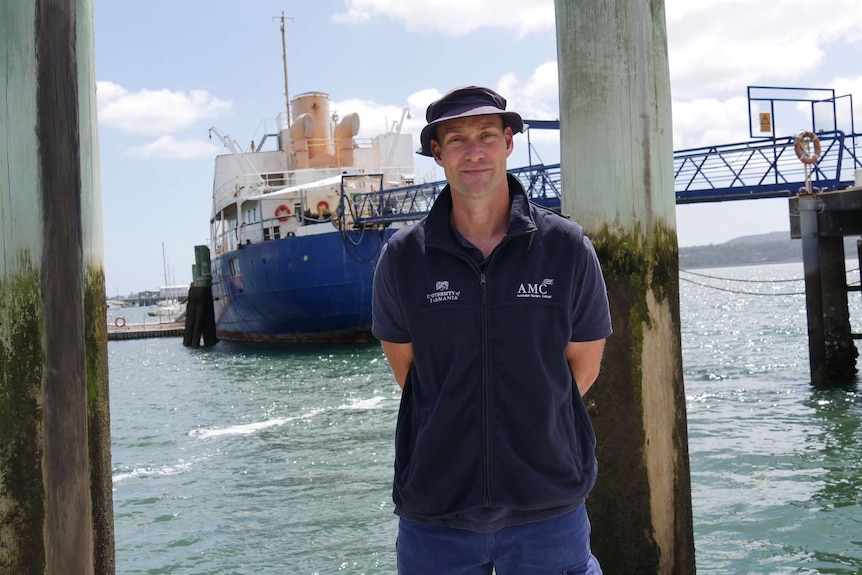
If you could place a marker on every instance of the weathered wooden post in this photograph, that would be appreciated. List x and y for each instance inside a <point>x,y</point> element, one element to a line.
<point>822,219</point>
<point>200,315</point>
<point>617,165</point>
<point>56,512</point>
<point>808,208</point>
<point>841,353</point>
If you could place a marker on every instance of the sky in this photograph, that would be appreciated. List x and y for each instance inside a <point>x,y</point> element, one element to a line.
<point>167,72</point>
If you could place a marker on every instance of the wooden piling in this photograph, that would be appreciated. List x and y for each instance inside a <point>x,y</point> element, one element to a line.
<point>617,171</point>
<point>56,512</point>
<point>200,314</point>
<point>822,220</point>
<point>841,353</point>
<point>808,208</point>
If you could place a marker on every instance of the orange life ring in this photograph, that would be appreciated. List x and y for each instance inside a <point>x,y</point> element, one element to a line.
<point>282,212</point>
<point>323,205</point>
<point>120,322</point>
<point>802,139</point>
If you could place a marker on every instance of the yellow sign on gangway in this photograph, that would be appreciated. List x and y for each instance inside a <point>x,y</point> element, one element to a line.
<point>765,123</point>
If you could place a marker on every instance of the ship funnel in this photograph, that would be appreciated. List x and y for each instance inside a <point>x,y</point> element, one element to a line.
<point>300,132</point>
<point>345,131</point>
<point>316,105</point>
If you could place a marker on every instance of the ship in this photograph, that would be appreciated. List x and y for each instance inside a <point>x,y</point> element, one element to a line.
<point>296,230</point>
<point>299,220</point>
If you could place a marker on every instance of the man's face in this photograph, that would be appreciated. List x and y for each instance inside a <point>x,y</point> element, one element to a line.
<point>473,153</point>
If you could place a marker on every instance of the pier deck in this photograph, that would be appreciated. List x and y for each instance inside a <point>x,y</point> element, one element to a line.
<point>145,330</point>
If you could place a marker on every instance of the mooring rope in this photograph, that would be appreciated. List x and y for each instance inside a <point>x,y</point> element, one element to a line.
<point>741,292</point>
<point>744,292</point>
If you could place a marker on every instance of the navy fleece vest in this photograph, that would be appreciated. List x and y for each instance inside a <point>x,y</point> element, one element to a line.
<point>490,415</point>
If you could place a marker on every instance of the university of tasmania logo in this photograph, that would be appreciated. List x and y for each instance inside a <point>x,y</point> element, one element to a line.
<point>443,293</point>
<point>536,290</point>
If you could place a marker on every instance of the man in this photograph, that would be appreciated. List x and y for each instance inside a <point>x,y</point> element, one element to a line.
<point>492,312</point>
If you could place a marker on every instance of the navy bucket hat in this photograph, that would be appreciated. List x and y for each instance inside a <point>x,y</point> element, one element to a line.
<point>463,102</point>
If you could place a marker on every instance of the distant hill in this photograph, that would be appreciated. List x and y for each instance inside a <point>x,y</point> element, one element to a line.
<point>771,248</point>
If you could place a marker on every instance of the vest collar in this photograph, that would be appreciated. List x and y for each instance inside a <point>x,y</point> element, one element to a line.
<point>437,230</point>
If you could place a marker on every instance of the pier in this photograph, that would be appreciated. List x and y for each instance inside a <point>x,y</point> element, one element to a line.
<point>822,220</point>
<point>122,331</point>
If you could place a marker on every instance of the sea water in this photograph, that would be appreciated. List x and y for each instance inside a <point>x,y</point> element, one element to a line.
<point>242,459</point>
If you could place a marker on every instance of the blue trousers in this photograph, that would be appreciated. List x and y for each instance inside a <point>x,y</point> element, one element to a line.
<point>558,546</point>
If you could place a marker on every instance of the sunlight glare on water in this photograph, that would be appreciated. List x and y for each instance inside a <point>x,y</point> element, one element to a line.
<point>248,459</point>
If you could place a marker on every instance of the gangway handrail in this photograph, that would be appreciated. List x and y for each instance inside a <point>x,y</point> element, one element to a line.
<point>754,169</point>
<point>411,203</point>
<point>762,169</point>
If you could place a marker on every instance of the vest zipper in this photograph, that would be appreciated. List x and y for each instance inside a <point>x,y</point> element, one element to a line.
<point>486,385</point>
<point>486,394</point>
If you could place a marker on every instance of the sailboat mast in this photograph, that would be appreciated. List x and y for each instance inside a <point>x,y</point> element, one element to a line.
<point>165,269</point>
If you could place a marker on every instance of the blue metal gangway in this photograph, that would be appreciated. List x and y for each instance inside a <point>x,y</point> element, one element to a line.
<point>409,203</point>
<point>764,167</point>
<point>767,165</point>
<point>742,171</point>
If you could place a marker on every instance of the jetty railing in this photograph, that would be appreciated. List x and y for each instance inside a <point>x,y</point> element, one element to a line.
<point>410,203</point>
<point>754,169</point>
<point>762,169</point>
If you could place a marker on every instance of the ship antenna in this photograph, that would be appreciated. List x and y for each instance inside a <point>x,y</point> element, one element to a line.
<point>284,59</point>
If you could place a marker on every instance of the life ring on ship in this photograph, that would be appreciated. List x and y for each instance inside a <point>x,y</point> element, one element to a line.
<point>282,212</point>
<point>322,205</point>
<point>120,322</point>
<point>800,145</point>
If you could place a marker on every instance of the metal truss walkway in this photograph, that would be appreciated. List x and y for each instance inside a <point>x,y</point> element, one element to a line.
<point>764,167</point>
<point>742,171</point>
<point>410,203</point>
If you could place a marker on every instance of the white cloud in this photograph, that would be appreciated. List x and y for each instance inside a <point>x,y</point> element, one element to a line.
<point>455,17</point>
<point>708,121</point>
<point>418,103</point>
<point>844,86</point>
<point>374,119</point>
<point>536,98</point>
<point>170,148</point>
<point>719,47</point>
<point>155,112</point>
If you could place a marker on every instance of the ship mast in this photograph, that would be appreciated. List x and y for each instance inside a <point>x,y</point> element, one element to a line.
<point>284,59</point>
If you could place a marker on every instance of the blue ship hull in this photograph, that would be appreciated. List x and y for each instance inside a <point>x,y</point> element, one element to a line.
<point>313,285</point>
<point>314,288</point>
